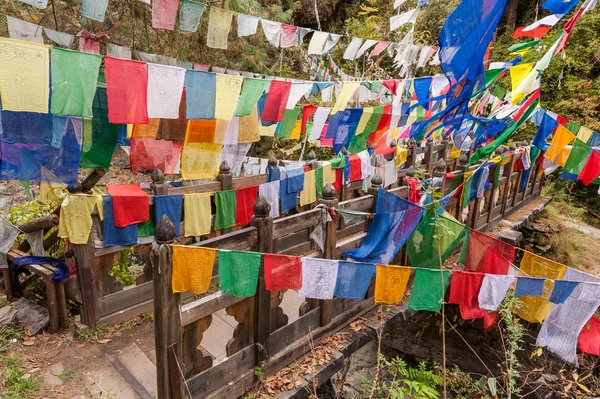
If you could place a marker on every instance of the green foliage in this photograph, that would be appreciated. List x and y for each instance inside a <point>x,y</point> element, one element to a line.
<point>16,384</point>
<point>400,381</point>
<point>8,335</point>
<point>127,267</point>
<point>93,333</point>
<point>463,385</point>
<point>513,341</point>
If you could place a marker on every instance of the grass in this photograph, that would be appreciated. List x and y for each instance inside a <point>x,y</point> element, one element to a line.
<point>15,385</point>
<point>64,376</point>
<point>7,335</point>
<point>93,333</point>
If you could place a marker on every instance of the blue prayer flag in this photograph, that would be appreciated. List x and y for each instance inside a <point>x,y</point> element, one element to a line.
<point>422,87</point>
<point>112,234</point>
<point>529,286</point>
<point>562,290</point>
<point>319,86</point>
<point>288,200</point>
<point>344,130</point>
<point>171,206</point>
<point>200,92</point>
<point>353,279</point>
<point>559,6</point>
<point>295,178</point>
<point>547,126</point>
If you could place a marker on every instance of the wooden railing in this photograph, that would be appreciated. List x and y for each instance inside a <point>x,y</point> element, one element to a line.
<point>264,337</point>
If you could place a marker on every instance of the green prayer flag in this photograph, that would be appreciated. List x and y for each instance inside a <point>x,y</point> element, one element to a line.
<point>535,153</point>
<point>238,272</point>
<point>74,78</point>
<point>573,127</point>
<point>225,205</point>
<point>339,161</point>
<point>319,181</point>
<point>491,147</point>
<point>190,14</point>
<point>578,156</point>
<point>499,92</point>
<point>464,250</point>
<point>146,228</point>
<point>372,85</point>
<point>359,141</point>
<point>466,192</point>
<point>492,74</point>
<point>252,89</point>
<point>523,46</point>
<point>497,171</point>
<point>100,153</point>
<point>422,245</point>
<point>429,289</point>
<point>453,183</point>
<point>290,117</point>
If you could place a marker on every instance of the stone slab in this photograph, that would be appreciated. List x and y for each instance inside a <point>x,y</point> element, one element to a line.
<point>142,368</point>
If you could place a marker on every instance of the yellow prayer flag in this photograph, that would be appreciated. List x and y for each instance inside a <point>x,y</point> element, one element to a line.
<point>147,130</point>
<point>295,135</point>
<point>200,161</point>
<point>75,221</point>
<point>401,155</point>
<point>562,137</point>
<point>364,119</point>
<point>268,131</point>
<point>561,159</point>
<point>249,131</point>
<point>129,131</point>
<point>328,173</point>
<point>24,76</point>
<point>523,82</point>
<point>192,268</point>
<point>348,89</point>
<point>455,153</point>
<point>197,213</point>
<point>518,73</point>
<point>390,283</point>
<point>534,308</point>
<point>228,92</point>
<point>584,134</point>
<point>221,131</point>
<point>309,194</point>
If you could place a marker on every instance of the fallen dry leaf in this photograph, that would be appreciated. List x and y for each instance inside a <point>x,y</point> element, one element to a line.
<point>103,341</point>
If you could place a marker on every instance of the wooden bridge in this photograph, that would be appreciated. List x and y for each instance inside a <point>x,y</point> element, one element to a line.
<point>270,329</point>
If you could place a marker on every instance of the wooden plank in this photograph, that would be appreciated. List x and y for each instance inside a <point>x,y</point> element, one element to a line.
<point>362,204</point>
<point>401,192</point>
<point>241,240</point>
<point>351,229</point>
<point>300,221</point>
<point>120,300</point>
<point>235,389</point>
<point>128,313</point>
<point>298,249</point>
<point>349,243</point>
<point>291,240</point>
<point>203,307</point>
<point>249,181</point>
<point>52,306</point>
<point>200,188</point>
<point>223,373</point>
<point>293,332</point>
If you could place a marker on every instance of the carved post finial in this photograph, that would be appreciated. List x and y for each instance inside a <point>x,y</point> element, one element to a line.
<point>393,143</point>
<point>525,143</point>
<point>411,171</point>
<point>440,165</point>
<point>463,159</point>
<point>164,232</point>
<point>262,208</point>
<point>344,151</point>
<point>158,176</point>
<point>224,168</point>
<point>512,146</point>
<point>498,151</point>
<point>329,192</point>
<point>311,156</point>
<point>376,180</point>
<point>273,161</point>
<point>412,141</point>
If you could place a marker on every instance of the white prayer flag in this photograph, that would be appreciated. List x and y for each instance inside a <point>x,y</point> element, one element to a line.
<point>22,30</point>
<point>165,86</point>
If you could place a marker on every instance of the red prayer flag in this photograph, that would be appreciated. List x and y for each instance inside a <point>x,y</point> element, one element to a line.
<point>378,137</point>
<point>282,272</point>
<point>131,205</point>
<point>339,177</point>
<point>149,154</point>
<point>568,29</point>
<point>414,193</point>
<point>244,204</point>
<point>201,67</point>
<point>307,111</point>
<point>164,13</point>
<point>488,255</point>
<point>126,89</point>
<point>392,85</point>
<point>591,169</point>
<point>276,101</point>
<point>589,338</point>
<point>535,33</point>
<point>464,292</point>
<point>355,168</point>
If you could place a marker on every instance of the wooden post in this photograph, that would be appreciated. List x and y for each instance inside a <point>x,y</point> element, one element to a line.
<point>494,189</point>
<point>412,153</point>
<point>84,259</point>
<point>264,313</point>
<point>440,172</point>
<point>330,252</point>
<point>167,313</point>
<point>158,185</point>
<point>88,183</point>
<point>447,148</point>
<point>508,168</point>
<point>428,161</point>
<point>344,195</point>
<point>226,179</point>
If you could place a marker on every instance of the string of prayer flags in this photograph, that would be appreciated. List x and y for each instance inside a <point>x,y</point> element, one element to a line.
<point>227,93</point>
<point>270,191</point>
<point>219,25</point>
<point>282,272</point>
<point>493,290</point>
<point>8,235</point>
<point>534,308</point>
<point>429,289</point>
<point>277,97</point>
<point>272,31</point>
<point>75,221</point>
<point>113,235</point>
<point>201,91</point>
<point>247,25</point>
<point>390,283</point>
<point>16,97</point>
<point>348,89</point>
<point>192,268</point>
<point>485,254</point>
<point>238,272</point>
<point>22,30</point>
<point>146,155</point>
<point>225,204</point>
<point>591,169</point>
<point>197,213</point>
<point>319,278</point>
<point>165,88</point>
<point>126,88</point>
<point>252,89</point>
<point>130,204</point>
<point>74,77</point>
<point>164,13</point>
<point>352,49</point>
<point>353,279</point>
<point>308,195</point>
<point>244,204</point>
<point>171,206</point>
<point>94,9</point>
<point>190,14</point>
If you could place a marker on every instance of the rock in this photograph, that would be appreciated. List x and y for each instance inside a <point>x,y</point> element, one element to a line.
<point>51,379</point>
<point>543,248</point>
<point>537,227</point>
<point>72,290</point>
<point>34,317</point>
<point>56,369</point>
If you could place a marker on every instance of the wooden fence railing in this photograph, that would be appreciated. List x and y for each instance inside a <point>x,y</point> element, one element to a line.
<point>264,337</point>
